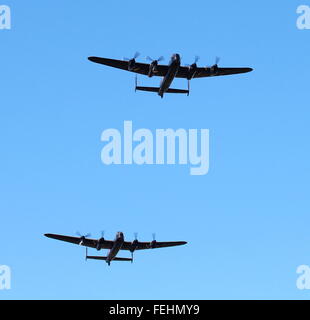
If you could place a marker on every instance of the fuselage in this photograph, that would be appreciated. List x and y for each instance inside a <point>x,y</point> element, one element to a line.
<point>173,69</point>
<point>118,243</point>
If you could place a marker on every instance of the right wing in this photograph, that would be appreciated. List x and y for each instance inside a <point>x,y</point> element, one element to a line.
<point>91,243</point>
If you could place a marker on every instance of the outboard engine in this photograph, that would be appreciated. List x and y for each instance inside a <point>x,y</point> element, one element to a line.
<point>132,62</point>
<point>153,243</point>
<point>82,238</point>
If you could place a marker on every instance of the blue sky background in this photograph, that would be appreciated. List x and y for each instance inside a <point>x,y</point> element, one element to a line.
<point>247,221</point>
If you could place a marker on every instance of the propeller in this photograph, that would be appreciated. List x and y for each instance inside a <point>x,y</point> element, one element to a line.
<point>153,243</point>
<point>134,245</point>
<point>153,65</point>
<point>192,68</point>
<point>82,237</point>
<point>137,54</point>
<point>161,58</point>
<point>214,68</point>
<point>100,241</point>
<point>132,62</point>
<point>217,60</point>
<point>135,242</point>
<point>197,58</point>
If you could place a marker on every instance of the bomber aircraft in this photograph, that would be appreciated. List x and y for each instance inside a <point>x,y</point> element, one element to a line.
<point>114,246</point>
<point>168,72</point>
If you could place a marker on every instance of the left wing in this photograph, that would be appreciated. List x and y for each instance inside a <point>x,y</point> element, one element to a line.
<point>148,245</point>
<point>206,72</point>
<point>141,68</point>
<point>91,243</point>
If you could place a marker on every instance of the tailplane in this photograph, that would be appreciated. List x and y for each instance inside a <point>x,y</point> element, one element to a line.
<point>150,89</point>
<point>154,89</point>
<point>105,258</point>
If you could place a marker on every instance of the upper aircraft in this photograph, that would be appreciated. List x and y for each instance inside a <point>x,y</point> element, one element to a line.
<point>168,72</point>
<point>114,246</point>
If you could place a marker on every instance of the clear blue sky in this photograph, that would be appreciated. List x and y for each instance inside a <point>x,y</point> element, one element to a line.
<point>247,221</point>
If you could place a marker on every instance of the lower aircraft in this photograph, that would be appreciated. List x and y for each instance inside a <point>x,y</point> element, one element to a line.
<point>114,246</point>
<point>168,72</point>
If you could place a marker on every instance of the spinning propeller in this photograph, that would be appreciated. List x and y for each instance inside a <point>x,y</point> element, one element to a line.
<point>153,243</point>
<point>137,54</point>
<point>192,69</point>
<point>100,241</point>
<point>134,245</point>
<point>82,237</point>
<point>153,65</point>
<point>197,58</point>
<point>161,58</point>
<point>132,62</point>
<point>214,69</point>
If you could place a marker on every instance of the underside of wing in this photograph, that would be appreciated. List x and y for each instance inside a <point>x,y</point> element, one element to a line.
<point>203,72</point>
<point>91,243</point>
<point>152,245</point>
<point>141,68</point>
<point>207,72</point>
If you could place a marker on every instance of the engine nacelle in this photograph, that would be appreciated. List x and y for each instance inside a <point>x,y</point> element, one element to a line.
<point>153,68</point>
<point>192,69</point>
<point>99,244</point>
<point>153,244</point>
<point>214,70</point>
<point>134,246</point>
<point>82,240</point>
<point>131,64</point>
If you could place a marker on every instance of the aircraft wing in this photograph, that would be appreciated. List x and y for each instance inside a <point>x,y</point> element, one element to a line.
<point>91,243</point>
<point>203,72</point>
<point>141,68</point>
<point>148,245</point>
